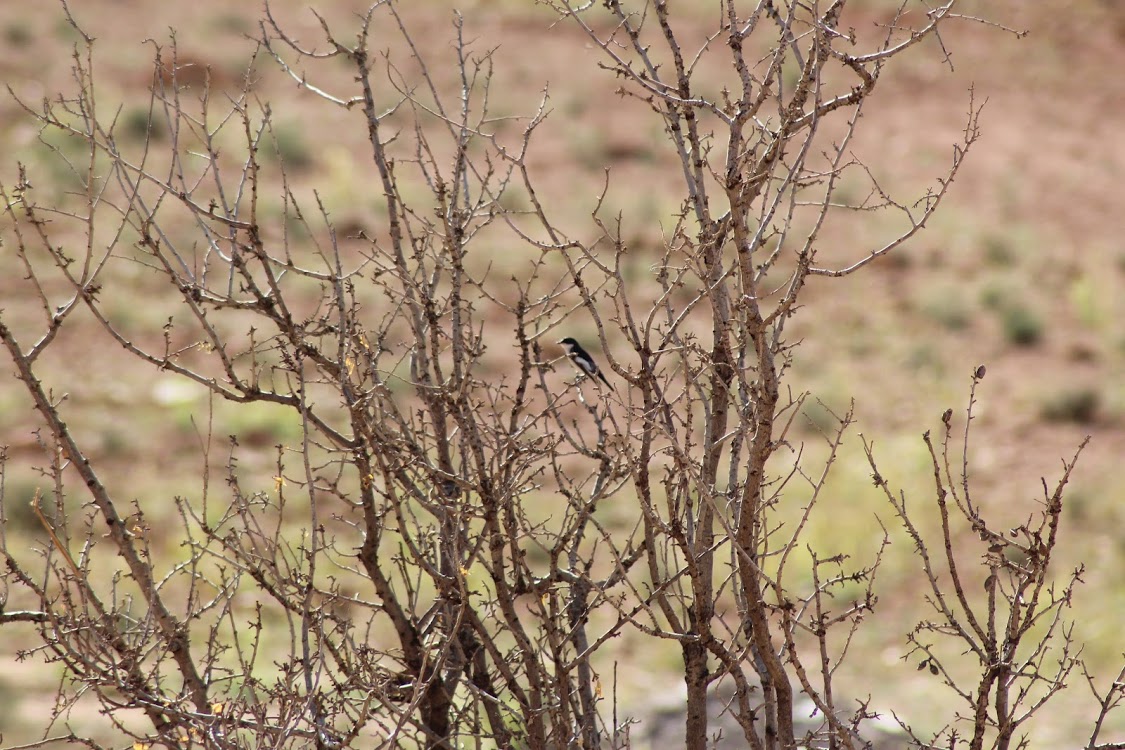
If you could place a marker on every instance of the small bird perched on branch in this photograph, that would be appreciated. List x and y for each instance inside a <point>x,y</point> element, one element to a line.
<point>582,360</point>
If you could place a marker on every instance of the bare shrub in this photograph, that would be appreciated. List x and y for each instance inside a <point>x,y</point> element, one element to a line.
<point>398,582</point>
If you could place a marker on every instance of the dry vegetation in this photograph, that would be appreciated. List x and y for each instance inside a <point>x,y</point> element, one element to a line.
<point>1021,269</point>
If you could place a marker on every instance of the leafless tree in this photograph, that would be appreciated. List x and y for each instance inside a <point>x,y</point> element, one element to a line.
<point>1020,645</point>
<point>395,584</point>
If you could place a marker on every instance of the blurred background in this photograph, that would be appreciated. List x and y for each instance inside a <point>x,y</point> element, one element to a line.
<point>1021,270</point>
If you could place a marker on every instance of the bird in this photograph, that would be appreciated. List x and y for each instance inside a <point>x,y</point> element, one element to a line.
<point>582,359</point>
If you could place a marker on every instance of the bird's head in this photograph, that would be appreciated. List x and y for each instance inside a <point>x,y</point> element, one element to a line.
<point>568,342</point>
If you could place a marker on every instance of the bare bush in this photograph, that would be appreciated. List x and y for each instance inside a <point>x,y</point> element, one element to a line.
<point>1022,650</point>
<point>399,582</point>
